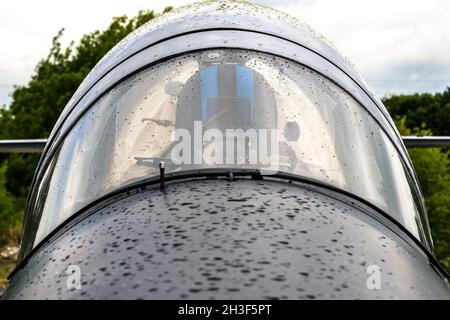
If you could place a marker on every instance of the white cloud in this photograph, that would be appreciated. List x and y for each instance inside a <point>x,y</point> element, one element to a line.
<point>399,46</point>
<point>27,28</point>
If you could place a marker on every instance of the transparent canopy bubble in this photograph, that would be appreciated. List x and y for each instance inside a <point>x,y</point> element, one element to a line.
<point>184,111</point>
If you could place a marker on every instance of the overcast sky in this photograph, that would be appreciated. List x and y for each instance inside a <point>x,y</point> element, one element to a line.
<point>400,46</point>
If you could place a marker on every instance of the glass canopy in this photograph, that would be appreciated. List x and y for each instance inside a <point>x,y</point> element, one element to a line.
<point>225,108</point>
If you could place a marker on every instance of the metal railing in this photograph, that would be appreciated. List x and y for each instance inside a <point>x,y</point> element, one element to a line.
<point>22,146</point>
<point>37,145</point>
<point>426,141</point>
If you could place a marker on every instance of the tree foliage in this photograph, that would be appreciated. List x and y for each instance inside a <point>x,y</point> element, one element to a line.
<point>432,166</point>
<point>431,110</point>
<point>9,217</point>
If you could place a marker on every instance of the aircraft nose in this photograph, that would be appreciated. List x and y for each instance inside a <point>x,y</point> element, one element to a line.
<point>243,239</point>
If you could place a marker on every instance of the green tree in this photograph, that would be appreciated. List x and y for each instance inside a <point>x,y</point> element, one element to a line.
<point>433,110</point>
<point>432,166</point>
